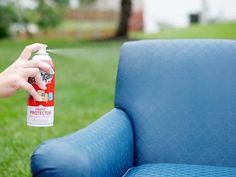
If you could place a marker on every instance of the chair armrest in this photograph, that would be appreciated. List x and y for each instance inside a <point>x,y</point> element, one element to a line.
<point>104,148</point>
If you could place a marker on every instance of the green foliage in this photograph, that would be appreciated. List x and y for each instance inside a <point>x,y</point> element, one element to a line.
<point>84,2</point>
<point>46,15</point>
<point>7,16</point>
<point>30,16</point>
<point>49,16</point>
<point>62,2</point>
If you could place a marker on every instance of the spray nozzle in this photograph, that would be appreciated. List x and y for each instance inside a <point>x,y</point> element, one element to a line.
<point>42,51</point>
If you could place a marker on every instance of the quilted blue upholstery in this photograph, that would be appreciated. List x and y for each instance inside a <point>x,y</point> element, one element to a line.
<point>104,148</point>
<point>180,170</point>
<point>180,96</point>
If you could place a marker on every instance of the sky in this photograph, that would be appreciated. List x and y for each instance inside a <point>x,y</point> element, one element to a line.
<point>176,12</point>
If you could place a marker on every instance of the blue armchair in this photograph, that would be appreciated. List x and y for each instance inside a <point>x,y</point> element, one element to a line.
<point>174,115</point>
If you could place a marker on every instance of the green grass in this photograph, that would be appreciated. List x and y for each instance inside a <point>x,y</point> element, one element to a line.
<point>85,82</point>
<point>220,31</point>
<point>84,91</point>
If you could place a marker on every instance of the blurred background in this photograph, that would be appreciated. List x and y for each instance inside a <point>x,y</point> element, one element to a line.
<point>102,19</point>
<point>87,36</point>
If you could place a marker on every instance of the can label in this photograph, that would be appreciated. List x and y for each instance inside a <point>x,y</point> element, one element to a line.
<point>42,113</point>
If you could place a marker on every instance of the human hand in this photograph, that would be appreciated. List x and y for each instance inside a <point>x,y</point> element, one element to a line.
<point>16,75</point>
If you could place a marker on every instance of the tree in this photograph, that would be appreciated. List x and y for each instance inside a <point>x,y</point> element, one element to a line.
<point>48,16</point>
<point>125,12</point>
<point>7,16</point>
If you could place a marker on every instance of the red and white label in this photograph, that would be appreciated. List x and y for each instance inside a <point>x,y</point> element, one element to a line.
<point>42,113</point>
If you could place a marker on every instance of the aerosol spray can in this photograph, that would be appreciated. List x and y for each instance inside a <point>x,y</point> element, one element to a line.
<point>41,114</point>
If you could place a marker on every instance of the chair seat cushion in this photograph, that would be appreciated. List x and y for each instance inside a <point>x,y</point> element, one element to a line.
<point>180,170</point>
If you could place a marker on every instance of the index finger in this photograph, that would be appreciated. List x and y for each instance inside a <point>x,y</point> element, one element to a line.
<point>26,53</point>
<point>38,64</point>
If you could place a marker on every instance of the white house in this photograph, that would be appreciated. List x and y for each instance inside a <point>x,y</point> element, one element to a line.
<point>176,13</point>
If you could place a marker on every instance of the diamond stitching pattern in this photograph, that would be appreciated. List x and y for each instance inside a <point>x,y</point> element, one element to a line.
<point>179,97</point>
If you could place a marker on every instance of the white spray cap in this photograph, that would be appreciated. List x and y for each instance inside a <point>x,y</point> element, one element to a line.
<point>42,51</point>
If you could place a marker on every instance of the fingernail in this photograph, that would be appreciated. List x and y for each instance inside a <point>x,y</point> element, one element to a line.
<point>44,87</point>
<point>51,71</point>
<point>39,99</point>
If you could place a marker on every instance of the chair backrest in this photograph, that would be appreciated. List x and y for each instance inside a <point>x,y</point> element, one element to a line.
<point>180,96</point>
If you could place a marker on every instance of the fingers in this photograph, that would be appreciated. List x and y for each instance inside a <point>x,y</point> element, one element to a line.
<point>39,64</point>
<point>30,89</point>
<point>35,72</point>
<point>38,79</point>
<point>26,53</point>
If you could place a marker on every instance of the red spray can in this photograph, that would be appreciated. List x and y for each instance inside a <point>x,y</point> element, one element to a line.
<point>41,114</point>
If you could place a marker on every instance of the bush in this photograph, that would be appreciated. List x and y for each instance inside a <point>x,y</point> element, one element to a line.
<point>49,16</point>
<point>45,16</point>
<point>7,17</point>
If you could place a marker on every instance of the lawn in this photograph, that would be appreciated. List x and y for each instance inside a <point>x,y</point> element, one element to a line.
<point>218,30</point>
<point>85,82</point>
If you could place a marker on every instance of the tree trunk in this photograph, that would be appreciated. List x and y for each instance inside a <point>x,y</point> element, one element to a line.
<point>122,30</point>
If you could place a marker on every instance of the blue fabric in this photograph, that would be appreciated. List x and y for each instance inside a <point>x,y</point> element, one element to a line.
<point>105,148</point>
<point>180,96</point>
<point>180,170</point>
